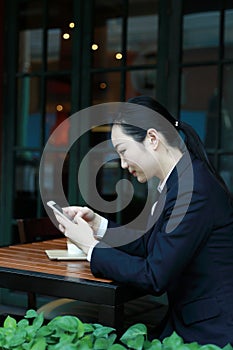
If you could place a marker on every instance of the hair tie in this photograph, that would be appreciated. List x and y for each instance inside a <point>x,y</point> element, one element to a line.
<point>177,124</point>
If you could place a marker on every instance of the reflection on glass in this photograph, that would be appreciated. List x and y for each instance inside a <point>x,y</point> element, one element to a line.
<point>31,48</point>
<point>26,183</point>
<point>29,113</point>
<point>227,109</point>
<point>228,34</point>
<point>226,170</point>
<point>141,82</point>
<point>142,33</point>
<point>54,48</point>
<point>107,36</point>
<point>30,21</point>
<point>61,27</point>
<point>58,107</point>
<point>201,36</point>
<point>198,96</point>
<point>106,87</point>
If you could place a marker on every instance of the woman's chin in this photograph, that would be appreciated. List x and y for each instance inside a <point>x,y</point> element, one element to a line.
<point>141,179</point>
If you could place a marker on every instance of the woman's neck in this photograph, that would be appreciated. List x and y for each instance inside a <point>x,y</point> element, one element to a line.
<point>173,156</point>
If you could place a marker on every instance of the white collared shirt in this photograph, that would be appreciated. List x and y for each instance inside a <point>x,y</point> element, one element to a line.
<point>160,187</point>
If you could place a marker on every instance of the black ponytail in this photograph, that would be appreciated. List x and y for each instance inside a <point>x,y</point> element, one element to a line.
<point>195,145</point>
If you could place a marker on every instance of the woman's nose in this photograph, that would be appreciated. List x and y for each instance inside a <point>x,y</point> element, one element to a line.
<point>124,164</point>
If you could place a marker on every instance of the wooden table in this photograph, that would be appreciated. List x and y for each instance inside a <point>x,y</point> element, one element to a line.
<point>26,267</point>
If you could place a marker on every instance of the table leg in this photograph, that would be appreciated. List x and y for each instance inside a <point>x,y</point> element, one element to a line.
<point>112,316</point>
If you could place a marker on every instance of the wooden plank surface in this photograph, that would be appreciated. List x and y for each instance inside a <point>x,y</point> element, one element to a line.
<point>32,257</point>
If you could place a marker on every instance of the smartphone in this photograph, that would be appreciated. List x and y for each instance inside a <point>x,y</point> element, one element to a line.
<point>59,210</point>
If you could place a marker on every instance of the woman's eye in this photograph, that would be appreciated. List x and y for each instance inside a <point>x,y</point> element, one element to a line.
<point>122,152</point>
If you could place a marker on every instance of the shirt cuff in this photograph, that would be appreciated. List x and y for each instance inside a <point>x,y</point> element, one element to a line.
<point>89,254</point>
<point>102,228</point>
<point>98,235</point>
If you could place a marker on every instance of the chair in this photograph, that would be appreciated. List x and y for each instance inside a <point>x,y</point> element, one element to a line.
<point>146,309</point>
<point>36,229</point>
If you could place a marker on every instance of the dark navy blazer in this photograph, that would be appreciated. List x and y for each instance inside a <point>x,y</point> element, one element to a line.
<point>187,253</point>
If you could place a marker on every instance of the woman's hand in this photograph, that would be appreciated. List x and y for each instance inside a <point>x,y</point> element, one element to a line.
<point>86,214</point>
<point>78,231</point>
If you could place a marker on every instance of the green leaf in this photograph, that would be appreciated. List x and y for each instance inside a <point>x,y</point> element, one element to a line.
<point>40,344</point>
<point>133,331</point>
<point>209,347</point>
<point>16,339</point>
<point>102,331</point>
<point>154,345</point>
<point>87,340</point>
<point>66,323</point>
<point>228,347</point>
<point>23,323</point>
<point>101,344</point>
<point>111,339</point>
<point>173,341</point>
<point>67,338</point>
<point>31,314</point>
<point>116,347</point>
<point>193,346</point>
<point>88,328</point>
<point>183,347</point>
<point>136,342</point>
<point>38,321</point>
<point>10,322</point>
<point>44,331</point>
<point>63,346</point>
<point>31,332</point>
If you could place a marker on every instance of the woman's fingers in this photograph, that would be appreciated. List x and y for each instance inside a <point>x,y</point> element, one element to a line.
<point>61,228</point>
<point>86,213</point>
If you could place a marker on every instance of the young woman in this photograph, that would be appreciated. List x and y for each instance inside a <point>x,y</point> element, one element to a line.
<point>187,249</point>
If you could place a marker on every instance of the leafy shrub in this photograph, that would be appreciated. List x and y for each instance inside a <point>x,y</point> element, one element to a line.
<point>69,333</point>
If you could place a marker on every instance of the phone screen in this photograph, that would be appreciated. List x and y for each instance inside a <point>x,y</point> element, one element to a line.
<point>58,209</point>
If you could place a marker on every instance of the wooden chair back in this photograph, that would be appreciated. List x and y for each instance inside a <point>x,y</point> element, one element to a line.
<point>37,229</point>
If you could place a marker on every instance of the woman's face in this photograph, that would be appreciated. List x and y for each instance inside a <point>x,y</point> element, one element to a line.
<point>139,158</point>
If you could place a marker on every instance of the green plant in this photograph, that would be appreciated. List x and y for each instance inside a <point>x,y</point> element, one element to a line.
<point>69,333</point>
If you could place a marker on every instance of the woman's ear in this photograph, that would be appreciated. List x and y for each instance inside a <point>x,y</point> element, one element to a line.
<point>153,137</point>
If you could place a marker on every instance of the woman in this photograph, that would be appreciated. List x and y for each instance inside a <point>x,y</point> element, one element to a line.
<point>187,249</point>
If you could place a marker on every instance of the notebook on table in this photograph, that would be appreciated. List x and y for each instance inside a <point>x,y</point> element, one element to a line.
<point>63,254</point>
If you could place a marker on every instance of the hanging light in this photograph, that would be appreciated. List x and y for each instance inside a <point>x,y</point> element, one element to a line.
<point>66,36</point>
<point>118,56</point>
<point>94,47</point>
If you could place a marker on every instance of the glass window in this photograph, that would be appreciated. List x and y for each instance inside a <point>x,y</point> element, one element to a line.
<point>227,109</point>
<point>201,36</point>
<point>58,107</point>
<point>106,87</point>
<point>228,34</point>
<point>28,112</point>
<point>26,183</point>
<point>142,32</point>
<point>107,35</point>
<point>198,90</point>
<point>141,82</point>
<point>30,56</point>
<point>61,26</point>
<point>30,33</point>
